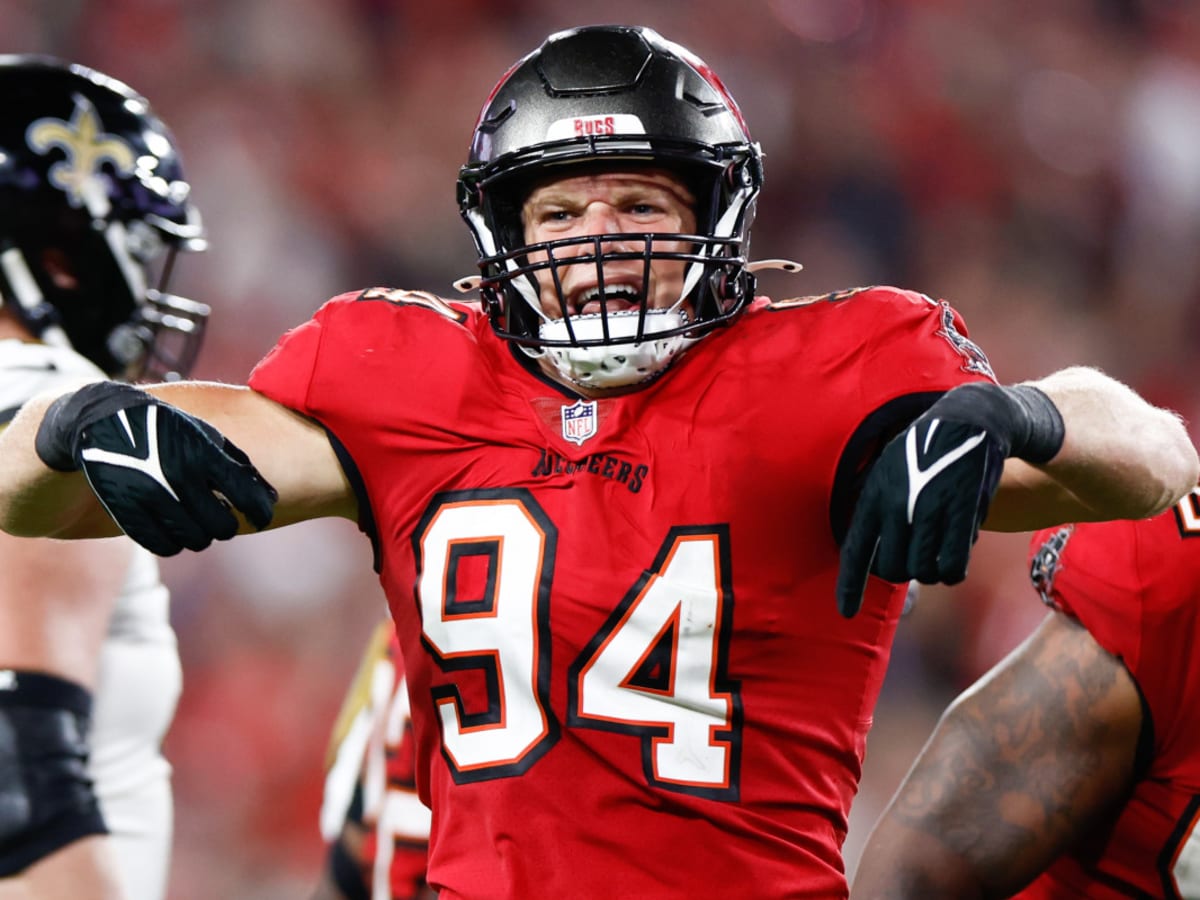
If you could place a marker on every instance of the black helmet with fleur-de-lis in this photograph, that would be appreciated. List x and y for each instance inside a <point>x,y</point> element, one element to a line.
<point>93,208</point>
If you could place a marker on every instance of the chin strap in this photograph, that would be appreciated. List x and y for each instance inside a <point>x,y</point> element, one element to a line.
<point>33,311</point>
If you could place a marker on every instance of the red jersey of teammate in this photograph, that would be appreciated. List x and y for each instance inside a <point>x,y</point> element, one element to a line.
<point>628,673</point>
<point>370,780</point>
<point>1136,587</point>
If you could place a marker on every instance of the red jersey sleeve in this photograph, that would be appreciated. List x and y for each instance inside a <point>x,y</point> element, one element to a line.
<point>285,373</point>
<point>1090,573</point>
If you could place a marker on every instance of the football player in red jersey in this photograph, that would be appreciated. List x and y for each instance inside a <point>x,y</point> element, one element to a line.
<point>376,827</point>
<point>625,512</point>
<point>1075,763</point>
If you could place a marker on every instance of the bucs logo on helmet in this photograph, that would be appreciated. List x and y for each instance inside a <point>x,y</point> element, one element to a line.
<point>1045,563</point>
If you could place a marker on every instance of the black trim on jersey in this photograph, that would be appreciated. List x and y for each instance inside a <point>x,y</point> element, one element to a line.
<point>864,448</point>
<point>487,661</point>
<point>1123,887</point>
<point>530,365</point>
<point>366,517</point>
<point>403,843</point>
<point>1144,755</point>
<point>407,784</point>
<point>472,606</point>
<point>1193,501</point>
<point>722,683</point>
<point>1178,836</point>
<point>7,415</point>
<point>656,673</point>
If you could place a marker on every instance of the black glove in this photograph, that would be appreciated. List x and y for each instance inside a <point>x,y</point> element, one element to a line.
<point>919,512</point>
<point>167,478</point>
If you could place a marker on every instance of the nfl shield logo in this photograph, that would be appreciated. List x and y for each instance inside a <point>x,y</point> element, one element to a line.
<point>579,421</point>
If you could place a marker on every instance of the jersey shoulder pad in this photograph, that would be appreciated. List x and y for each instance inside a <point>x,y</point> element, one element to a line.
<point>889,316</point>
<point>1091,573</point>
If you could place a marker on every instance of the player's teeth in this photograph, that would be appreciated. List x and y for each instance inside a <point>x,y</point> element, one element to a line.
<point>619,290</point>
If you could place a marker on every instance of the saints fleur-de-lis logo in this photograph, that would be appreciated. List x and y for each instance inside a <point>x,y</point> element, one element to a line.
<point>87,147</point>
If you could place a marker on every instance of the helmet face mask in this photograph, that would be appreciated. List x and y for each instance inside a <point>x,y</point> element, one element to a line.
<point>609,98</point>
<point>93,210</point>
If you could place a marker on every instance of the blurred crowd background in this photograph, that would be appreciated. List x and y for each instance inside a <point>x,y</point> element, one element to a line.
<point>1034,162</point>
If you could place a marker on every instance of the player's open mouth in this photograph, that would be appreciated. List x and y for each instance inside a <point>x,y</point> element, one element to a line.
<point>617,298</point>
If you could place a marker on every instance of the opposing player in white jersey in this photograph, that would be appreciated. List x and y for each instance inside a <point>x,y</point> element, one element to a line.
<point>93,207</point>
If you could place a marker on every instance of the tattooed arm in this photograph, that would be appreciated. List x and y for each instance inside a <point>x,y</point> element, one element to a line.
<point>1020,766</point>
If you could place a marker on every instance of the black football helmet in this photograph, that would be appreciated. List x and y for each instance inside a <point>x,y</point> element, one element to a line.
<point>611,96</point>
<point>93,209</point>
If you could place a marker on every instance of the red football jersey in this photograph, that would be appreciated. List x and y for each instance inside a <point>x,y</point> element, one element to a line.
<point>370,777</point>
<point>1136,587</point>
<point>628,673</point>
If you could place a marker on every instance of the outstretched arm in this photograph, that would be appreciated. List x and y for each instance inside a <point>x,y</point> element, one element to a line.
<point>292,453</point>
<point>1121,458</point>
<point>1020,766</point>
<point>1075,446</point>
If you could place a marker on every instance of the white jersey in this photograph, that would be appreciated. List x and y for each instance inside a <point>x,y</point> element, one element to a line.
<point>139,675</point>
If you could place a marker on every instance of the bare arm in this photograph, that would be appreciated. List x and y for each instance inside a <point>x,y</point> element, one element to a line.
<point>1121,459</point>
<point>1019,767</point>
<point>55,601</point>
<point>290,451</point>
